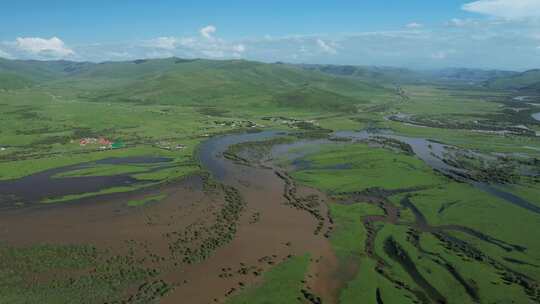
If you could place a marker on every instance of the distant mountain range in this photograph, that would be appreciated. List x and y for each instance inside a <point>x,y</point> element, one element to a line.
<point>196,82</point>
<point>408,76</point>
<point>187,75</point>
<point>526,81</point>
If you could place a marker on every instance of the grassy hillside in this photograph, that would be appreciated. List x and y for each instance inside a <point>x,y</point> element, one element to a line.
<point>310,97</point>
<point>372,74</point>
<point>407,76</point>
<point>205,82</point>
<point>474,76</point>
<point>529,80</point>
<point>10,81</point>
<point>42,71</point>
<point>147,102</point>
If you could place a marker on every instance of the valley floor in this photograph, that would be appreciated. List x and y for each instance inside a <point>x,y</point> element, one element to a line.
<point>425,195</point>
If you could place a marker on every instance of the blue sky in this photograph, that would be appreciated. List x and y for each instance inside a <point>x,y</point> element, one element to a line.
<point>501,34</point>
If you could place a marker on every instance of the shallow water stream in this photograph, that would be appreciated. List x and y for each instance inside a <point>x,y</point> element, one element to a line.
<point>432,153</point>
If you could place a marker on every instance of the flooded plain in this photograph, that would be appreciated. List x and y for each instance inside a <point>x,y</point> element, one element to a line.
<point>434,154</point>
<point>49,185</point>
<point>274,220</point>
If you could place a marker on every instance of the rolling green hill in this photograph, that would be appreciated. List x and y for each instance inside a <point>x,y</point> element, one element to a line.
<point>208,82</point>
<point>529,80</point>
<point>10,81</point>
<point>42,71</point>
<point>407,76</point>
<point>367,73</point>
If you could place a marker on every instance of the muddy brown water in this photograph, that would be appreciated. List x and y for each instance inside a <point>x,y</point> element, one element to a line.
<point>279,232</point>
<point>45,185</point>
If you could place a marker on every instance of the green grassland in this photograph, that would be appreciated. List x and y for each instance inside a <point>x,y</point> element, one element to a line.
<point>523,81</point>
<point>442,202</point>
<point>349,236</point>
<point>168,107</point>
<point>369,167</point>
<point>155,103</point>
<point>430,100</point>
<point>348,241</point>
<point>280,285</point>
<point>26,275</point>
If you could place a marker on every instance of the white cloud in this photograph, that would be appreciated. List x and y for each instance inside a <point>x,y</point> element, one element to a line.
<point>208,31</point>
<point>239,48</point>
<point>326,47</point>
<point>441,55</point>
<point>456,22</point>
<point>5,55</point>
<point>207,44</point>
<point>475,43</point>
<point>167,43</point>
<point>186,42</point>
<point>53,47</point>
<point>120,55</point>
<point>414,25</point>
<point>213,53</point>
<point>158,54</point>
<point>508,9</point>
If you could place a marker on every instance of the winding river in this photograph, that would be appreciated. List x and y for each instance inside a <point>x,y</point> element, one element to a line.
<point>432,153</point>
<point>536,116</point>
<point>43,185</point>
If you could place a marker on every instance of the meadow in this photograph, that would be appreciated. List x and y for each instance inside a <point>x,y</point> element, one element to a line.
<point>403,231</point>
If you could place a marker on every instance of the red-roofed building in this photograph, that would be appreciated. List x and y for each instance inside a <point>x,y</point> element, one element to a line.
<point>105,142</point>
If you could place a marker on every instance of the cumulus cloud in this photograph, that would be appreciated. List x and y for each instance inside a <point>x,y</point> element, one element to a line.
<point>167,43</point>
<point>206,44</point>
<point>240,48</point>
<point>508,9</point>
<point>414,25</point>
<point>479,43</point>
<point>208,32</point>
<point>326,47</point>
<point>457,22</point>
<point>53,47</point>
<point>119,55</point>
<point>5,55</point>
<point>441,55</point>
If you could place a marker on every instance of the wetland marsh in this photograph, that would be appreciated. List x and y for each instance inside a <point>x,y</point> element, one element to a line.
<point>281,185</point>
